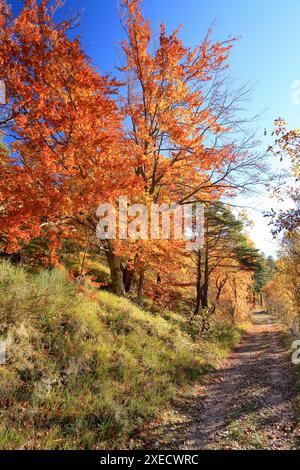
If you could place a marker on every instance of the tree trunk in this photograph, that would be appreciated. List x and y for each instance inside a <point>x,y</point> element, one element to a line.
<point>198,284</point>
<point>117,282</point>
<point>128,279</point>
<point>140,292</point>
<point>206,281</point>
<point>235,299</point>
<point>205,296</point>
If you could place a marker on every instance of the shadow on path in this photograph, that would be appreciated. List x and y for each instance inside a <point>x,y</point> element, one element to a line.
<point>246,404</point>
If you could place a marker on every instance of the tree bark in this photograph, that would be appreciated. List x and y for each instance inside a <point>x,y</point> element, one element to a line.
<point>199,298</point>
<point>206,280</point>
<point>140,292</point>
<point>128,279</point>
<point>117,282</point>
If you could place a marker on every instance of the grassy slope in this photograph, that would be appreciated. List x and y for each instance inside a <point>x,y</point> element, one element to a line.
<point>86,371</point>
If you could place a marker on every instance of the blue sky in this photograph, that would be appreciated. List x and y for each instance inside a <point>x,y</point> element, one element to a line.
<point>267,55</point>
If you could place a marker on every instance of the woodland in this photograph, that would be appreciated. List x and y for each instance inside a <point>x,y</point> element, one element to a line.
<point>100,337</point>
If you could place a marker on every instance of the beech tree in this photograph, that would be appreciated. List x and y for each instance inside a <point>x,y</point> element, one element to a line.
<point>66,130</point>
<point>179,119</point>
<point>73,146</point>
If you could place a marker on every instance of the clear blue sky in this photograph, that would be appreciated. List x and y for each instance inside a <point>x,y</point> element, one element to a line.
<point>268,52</point>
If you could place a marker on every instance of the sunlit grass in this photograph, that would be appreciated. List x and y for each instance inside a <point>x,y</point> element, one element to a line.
<point>85,370</point>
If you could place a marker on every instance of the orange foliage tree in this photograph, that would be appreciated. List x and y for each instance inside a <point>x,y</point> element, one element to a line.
<point>179,119</point>
<point>73,147</point>
<point>67,141</point>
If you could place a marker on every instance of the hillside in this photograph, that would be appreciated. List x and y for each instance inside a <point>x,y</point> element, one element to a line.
<point>85,369</point>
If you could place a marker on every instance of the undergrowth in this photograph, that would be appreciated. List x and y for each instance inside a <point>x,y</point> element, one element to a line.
<point>84,370</point>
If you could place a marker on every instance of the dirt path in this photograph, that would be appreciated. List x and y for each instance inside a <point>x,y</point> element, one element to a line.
<point>247,403</point>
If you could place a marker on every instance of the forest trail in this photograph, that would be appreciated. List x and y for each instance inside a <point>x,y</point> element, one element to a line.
<point>247,403</point>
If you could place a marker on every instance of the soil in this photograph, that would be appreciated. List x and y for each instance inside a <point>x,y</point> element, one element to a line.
<point>246,404</point>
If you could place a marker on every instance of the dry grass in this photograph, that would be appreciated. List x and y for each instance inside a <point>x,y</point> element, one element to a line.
<point>84,371</point>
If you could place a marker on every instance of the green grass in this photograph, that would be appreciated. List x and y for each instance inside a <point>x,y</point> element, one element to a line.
<point>85,371</point>
<point>245,434</point>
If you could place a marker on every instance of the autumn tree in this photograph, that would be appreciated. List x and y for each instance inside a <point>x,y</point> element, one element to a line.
<point>282,292</point>
<point>173,141</point>
<point>226,252</point>
<point>180,117</point>
<point>287,147</point>
<point>264,271</point>
<point>65,127</point>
